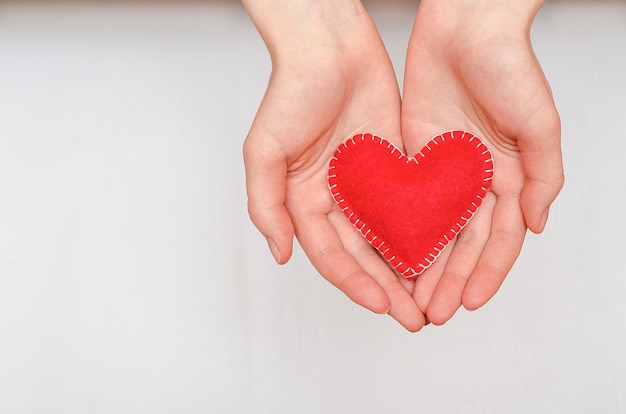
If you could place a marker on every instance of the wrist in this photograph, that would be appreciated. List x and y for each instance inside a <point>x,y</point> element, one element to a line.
<point>291,28</point>
<point>484,17</point>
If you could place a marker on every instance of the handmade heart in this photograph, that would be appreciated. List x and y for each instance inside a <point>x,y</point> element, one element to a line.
<point>410,209</point>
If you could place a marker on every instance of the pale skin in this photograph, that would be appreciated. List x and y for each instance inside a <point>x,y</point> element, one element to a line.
<point>470,66</point>
<point>332,78</point>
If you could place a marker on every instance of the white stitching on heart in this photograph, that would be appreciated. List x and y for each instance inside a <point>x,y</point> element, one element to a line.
<point>402,268</point>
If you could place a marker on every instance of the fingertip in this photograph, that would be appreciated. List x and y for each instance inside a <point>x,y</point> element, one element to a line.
<point>542,222</point>
<point>471,303</point>
<point>536,220</point>
<point>276,226</point>
<point>446,298</point>
<point>438,319</point>
<point>377,301</point>
<point>537,197</point>
<point>437,322</point>
<point>279,233</point>
<point>476,296</point>
<point>439,314</point>
<point>380,306</point>
<point>414,326</point>
<point>281,255</point>
<point>404,309</point>
<point>535,203</point>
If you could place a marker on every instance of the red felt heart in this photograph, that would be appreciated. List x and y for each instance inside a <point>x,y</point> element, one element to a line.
<point>410,208</point>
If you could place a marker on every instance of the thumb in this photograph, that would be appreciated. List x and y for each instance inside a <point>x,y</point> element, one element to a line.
<point>266,172</point>
<point>540,148</point>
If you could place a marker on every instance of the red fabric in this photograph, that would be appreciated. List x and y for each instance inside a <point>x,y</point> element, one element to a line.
<point>410,208</point>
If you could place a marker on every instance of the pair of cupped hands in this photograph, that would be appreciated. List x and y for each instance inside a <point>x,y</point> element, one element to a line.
<point>469,66</point>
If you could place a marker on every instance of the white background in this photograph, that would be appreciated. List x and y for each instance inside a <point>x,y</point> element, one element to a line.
<point>131,280</point>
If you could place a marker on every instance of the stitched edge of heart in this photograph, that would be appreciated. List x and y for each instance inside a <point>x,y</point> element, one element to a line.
<point>375,240</point>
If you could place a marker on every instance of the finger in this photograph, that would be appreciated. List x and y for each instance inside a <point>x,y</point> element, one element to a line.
<point>320,242</point>
<point>501,250</point>
<point>402,306</point>
<point>540,148</point>
<point>426,283</point>
<point>463,258</point>
<point>266,172</point>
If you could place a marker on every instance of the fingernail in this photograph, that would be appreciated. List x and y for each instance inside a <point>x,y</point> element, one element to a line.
<point>274,250</point>
<point>544,219</point>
